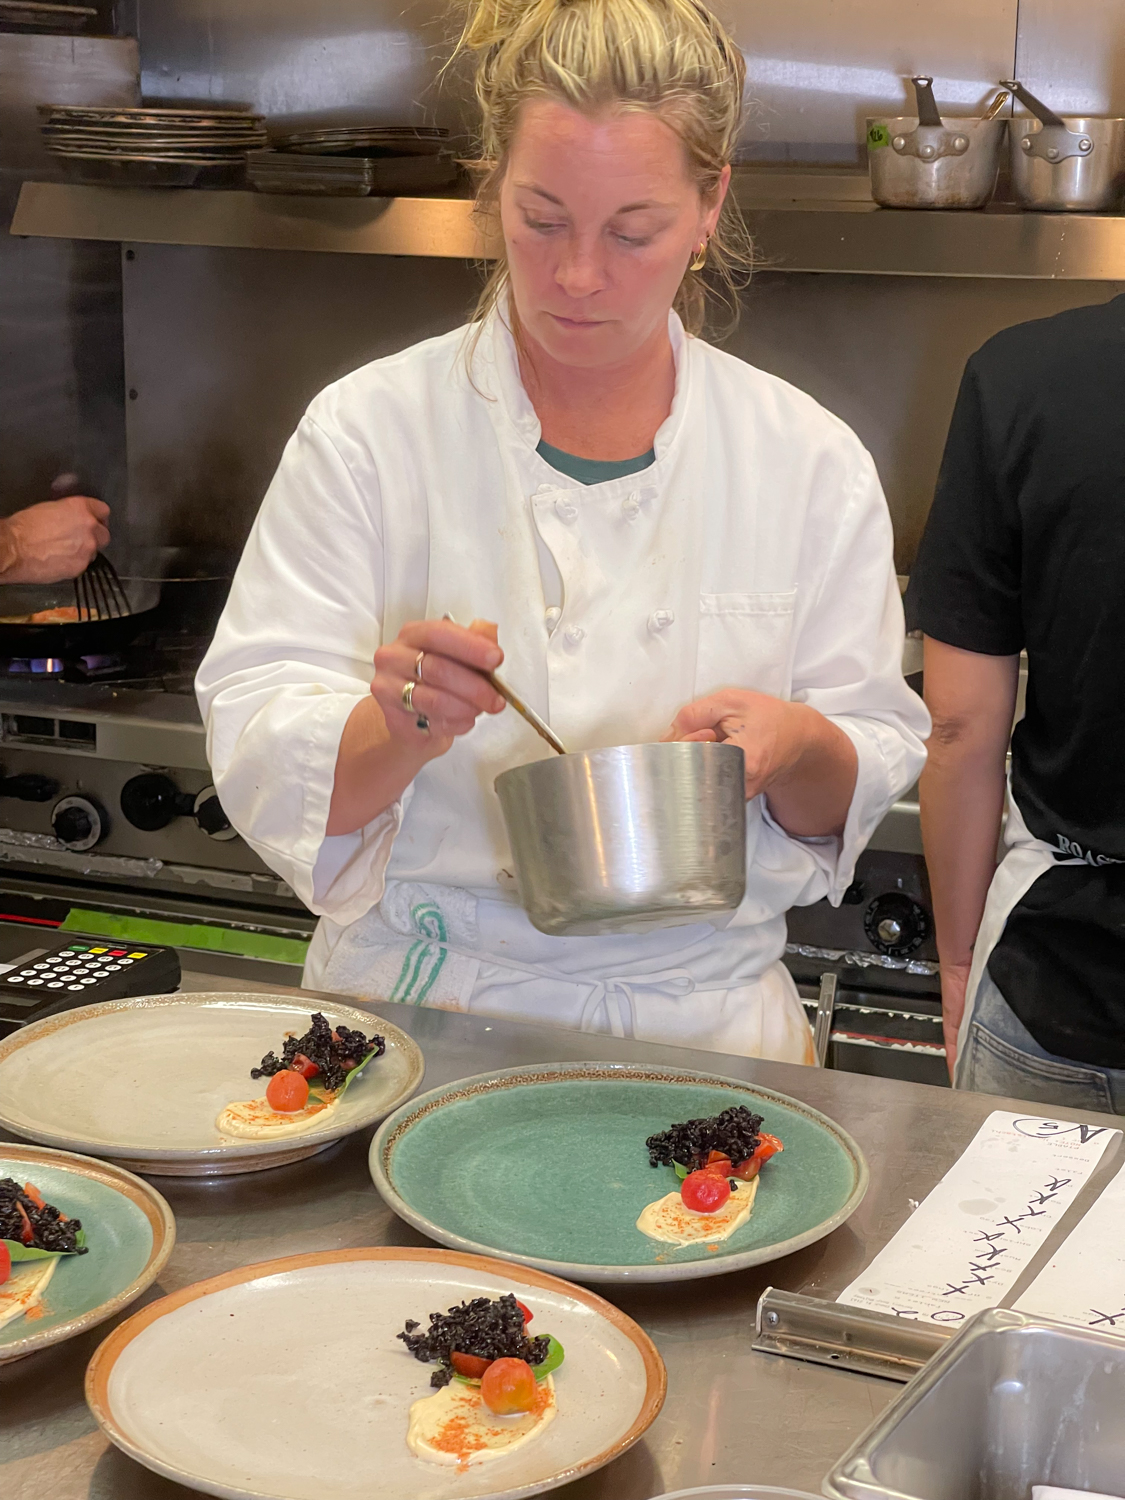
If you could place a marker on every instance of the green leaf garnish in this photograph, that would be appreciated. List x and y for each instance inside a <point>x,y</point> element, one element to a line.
<point>681,1172</point>
<point>349,1078</point>
<point>19,1251</point>
<point>357,1070</point>
<point>555,1357</point>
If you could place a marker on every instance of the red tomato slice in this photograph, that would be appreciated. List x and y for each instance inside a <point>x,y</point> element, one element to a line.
<point>304,1065</point>
<point>527,1313</point>
<point>27,1234</point>
<point>768,1145</point>
<point>5,1262</point>
<point>35,1195</point>
<point>472,1366</point>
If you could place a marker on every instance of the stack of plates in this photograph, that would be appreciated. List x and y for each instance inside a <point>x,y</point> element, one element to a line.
<point>348,176</point>
<point>156,147</point>
<point>366,140</point>
<point>354,160</point>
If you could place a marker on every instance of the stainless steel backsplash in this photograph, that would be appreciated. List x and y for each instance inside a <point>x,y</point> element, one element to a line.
<point>223,348</point>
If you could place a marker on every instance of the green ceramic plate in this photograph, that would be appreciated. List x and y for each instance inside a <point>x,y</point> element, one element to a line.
<point>547,1166</point>
<point>129,1230</point>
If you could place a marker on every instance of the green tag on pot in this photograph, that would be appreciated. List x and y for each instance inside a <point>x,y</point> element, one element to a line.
<point>878,135</point>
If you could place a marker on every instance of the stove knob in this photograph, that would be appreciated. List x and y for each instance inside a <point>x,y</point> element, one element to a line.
<point>151,801</point>
<point>79,823</point>
<point>896,925</point>
<point>210,816</point>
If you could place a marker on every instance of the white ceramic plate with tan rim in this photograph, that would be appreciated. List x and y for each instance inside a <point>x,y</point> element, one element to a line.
<point>142,1081</point>
<point>129,1232</point>
<point>285,1381</point>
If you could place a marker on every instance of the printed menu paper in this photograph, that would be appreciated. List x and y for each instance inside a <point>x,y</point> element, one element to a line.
<point>966,1244</point>
<point>1084,1281</point>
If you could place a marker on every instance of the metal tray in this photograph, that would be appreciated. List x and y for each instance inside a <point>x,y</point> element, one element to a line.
<point>136,171</point>
<point>1013,1401</point>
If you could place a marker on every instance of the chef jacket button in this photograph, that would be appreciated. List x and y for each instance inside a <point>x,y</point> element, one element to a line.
<point>566,511</point>
<point>552,618</point>
<point>573,634</point>
<point>659,620</point>
<point>632,506</point>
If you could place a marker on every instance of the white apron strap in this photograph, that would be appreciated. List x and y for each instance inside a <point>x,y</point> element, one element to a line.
<point>1026,859</point>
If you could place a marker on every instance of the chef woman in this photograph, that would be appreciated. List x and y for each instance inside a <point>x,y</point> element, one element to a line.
<point>665,542</point>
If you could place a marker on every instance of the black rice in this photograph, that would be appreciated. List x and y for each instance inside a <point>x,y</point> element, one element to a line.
<point>489,1328</point>
<point>735,1132</point>
<point>48,1228</point>
<point>329,1049</point>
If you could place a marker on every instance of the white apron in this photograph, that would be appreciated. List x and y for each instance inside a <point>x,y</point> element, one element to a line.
<point>1025,859</point>
<point>443,947</point>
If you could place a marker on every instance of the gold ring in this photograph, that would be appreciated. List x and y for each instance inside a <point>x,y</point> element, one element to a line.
<point>408,697</point>
<point>418,665</point>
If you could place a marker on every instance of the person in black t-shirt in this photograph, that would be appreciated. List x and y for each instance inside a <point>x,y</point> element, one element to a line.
<point>1024,549</point>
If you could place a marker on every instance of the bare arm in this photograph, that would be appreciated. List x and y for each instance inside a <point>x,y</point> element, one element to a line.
<point>382,748</point>
<point>805,764</point>
<point>972,700</point>
<point>54,540</point>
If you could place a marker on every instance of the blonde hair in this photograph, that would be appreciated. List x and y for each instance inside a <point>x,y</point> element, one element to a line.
<point>668,56</point>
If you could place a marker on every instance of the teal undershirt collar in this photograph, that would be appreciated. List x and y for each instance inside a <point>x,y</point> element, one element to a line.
<point>593,470</point>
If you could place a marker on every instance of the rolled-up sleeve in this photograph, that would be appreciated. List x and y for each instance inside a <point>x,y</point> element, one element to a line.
<point>848,665</point>
<point>291,658</point>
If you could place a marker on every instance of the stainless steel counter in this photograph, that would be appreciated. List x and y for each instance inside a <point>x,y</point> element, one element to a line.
<point>731,1414</point>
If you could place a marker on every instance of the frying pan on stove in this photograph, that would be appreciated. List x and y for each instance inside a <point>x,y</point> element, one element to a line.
<point>72,638</point>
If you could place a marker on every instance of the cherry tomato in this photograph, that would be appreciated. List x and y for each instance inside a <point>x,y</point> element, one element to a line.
<point>304,1065</point>
<point>718,1163</point>
<point>527,1313</point>
<point>287,1092</point>
<point>704,1192</point>
<point>5,1262</point>
<point>470,1365</point>
<point>35,1195</point>
<point>508,1386</point>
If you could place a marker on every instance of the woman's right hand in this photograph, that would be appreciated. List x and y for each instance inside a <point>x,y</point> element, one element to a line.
<point>447,662</point>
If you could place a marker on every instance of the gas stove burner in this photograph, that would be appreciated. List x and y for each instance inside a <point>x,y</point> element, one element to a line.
<point>37,666</point>
<point>94,668</point>
<point>60,669</point>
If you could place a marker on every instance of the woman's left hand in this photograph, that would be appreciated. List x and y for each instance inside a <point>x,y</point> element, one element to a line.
<point>805,764</point>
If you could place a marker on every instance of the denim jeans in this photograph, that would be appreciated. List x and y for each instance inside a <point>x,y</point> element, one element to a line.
<point>1002,1057</point>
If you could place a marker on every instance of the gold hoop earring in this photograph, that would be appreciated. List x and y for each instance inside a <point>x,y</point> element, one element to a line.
<point>700,258</point>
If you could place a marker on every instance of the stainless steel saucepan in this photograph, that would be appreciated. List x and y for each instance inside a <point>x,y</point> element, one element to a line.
<point>1065,164</point>
<point>927,162</point>
<point>628,838</point>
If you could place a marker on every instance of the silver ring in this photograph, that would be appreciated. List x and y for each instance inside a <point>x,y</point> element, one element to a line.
<point>408,697</point>
<point>418,665</point>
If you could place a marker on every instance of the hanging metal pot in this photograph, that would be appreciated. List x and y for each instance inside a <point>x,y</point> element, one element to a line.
<point>1065,164</point>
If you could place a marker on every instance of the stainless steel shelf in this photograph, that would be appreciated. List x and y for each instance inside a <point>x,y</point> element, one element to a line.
<point>793,234</point>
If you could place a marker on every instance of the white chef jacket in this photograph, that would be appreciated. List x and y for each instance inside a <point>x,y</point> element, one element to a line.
<point>755,552</point>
